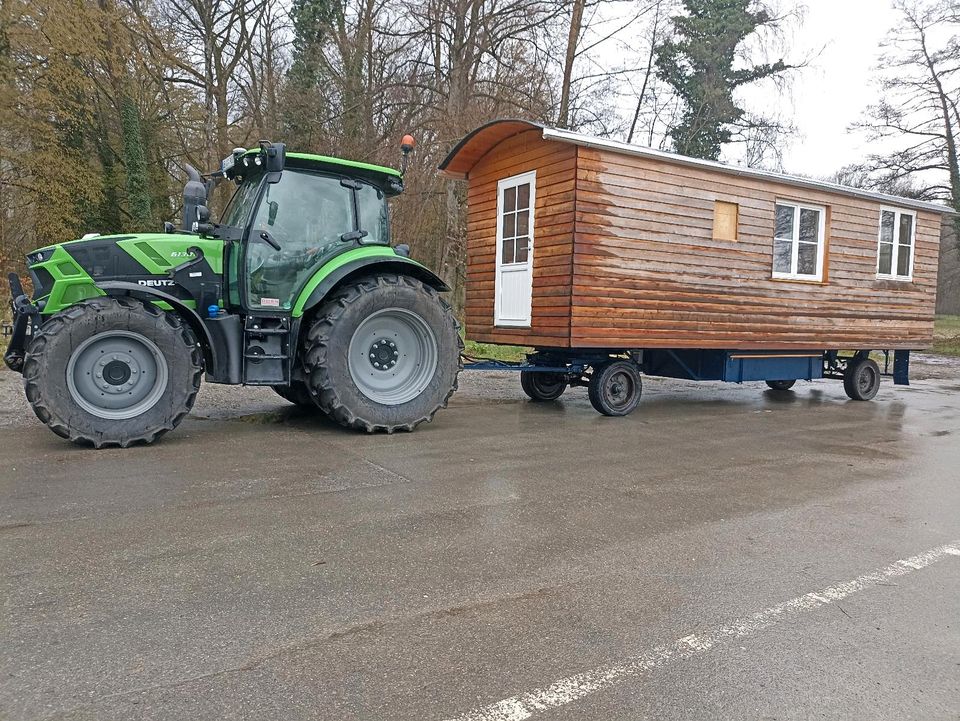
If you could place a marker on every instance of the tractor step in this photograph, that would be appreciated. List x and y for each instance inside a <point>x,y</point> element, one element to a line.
<point>266,350</point>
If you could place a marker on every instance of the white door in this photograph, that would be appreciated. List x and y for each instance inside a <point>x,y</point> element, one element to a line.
<point>514,279</point>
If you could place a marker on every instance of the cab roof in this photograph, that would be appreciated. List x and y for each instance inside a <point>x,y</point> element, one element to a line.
<point>379,175</point>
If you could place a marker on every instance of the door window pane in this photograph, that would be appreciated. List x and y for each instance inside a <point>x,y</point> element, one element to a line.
<point>523,196</point>
<point>785,221</point>
<point>509,200</point>
<point>508,225</point>
<point>523,222</point>
<point>506,254</point>
<point>522,249</point>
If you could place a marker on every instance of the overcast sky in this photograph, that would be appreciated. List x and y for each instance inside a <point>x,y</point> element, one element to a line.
<point>833,93</point>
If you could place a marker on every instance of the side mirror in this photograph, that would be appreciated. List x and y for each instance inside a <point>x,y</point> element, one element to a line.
<point>274,206</point>
<point>274,157</point>
<point>202,225</point>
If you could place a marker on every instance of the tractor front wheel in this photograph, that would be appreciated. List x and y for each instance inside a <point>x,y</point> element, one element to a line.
<point>112,372</point>
<point>383,354</point>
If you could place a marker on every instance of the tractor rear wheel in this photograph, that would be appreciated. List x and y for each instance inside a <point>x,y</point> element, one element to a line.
<point>112,372</point>
<point>297,393</point>
<point>383,354</point>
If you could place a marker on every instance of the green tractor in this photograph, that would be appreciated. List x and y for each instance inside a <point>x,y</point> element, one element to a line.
<point>297,287</point>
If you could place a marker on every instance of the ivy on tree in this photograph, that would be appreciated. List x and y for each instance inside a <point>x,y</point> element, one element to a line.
<point>698,63</point>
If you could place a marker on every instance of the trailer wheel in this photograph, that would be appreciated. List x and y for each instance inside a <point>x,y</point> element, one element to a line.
<point>383,354</point>
<point>112,372</point>
<point>298,394</point>
<point>543,386</point>
<point>861,380</point>
<point>781,385</point>
<point>615,388</point>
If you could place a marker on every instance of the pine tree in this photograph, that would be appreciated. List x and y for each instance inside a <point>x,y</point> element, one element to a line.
<point>698,63</point>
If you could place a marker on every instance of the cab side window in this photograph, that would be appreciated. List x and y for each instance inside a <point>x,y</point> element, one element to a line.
<point>372,211</point>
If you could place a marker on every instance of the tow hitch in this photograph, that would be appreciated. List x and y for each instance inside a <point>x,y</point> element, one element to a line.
<point>26,319</point>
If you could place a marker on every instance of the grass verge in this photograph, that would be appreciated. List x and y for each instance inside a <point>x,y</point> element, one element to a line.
<point>946,335</point>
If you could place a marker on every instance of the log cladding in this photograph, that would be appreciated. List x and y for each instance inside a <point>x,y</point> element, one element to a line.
<point>633,248</point>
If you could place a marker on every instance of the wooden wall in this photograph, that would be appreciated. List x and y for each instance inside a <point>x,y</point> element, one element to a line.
<point>555,164</point>
<point>624,257</point>
<point>647,272</point>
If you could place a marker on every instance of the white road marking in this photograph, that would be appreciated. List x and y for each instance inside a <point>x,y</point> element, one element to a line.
<point>572,688</point>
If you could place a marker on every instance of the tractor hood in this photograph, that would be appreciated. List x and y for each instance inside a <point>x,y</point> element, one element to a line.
<point>68,272</point>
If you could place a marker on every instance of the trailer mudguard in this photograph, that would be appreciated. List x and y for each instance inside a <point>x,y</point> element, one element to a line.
<point>360,261</point>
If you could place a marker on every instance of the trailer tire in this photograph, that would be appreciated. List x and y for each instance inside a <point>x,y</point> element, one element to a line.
<point>615,388</point>
<point>781,385</point>
<point>861,379</point>
<point>146,388</point>
<point>542,386</point>
<point>363,324</point>
<point>297,393</point>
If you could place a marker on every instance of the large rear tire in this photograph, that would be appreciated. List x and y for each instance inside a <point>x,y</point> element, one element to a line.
<point>383,354</point>
<point>112,372</point>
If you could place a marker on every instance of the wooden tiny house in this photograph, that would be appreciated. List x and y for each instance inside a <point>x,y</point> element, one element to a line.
<point>576,242</point>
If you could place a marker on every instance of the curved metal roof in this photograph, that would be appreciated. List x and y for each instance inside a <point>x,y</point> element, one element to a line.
<point>460,161</point>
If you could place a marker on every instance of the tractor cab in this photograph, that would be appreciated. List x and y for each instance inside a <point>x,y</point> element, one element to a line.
<point>281,226</point>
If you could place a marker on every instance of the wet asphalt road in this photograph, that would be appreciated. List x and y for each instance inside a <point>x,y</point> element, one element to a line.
<point>276,567</point>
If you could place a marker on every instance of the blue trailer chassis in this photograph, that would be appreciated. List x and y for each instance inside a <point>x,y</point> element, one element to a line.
<point>705,365</point>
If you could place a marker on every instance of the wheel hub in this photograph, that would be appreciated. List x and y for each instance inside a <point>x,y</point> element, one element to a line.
<point>384,354</point>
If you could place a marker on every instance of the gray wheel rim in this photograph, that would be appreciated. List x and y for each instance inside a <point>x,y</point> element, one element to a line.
<point>117,374</point>
<point>867,378</point>
<point>392,356</point>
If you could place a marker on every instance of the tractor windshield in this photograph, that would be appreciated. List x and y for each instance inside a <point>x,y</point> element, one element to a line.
<point>238,210</point>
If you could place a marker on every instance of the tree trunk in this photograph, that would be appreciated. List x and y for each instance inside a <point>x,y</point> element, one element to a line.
<point>573,40</point>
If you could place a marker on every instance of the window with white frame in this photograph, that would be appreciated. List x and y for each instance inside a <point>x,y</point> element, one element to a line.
<point>798,241</point>
<point>898,230</point>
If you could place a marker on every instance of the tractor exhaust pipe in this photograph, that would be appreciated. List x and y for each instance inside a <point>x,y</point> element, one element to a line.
<point>194,196</point>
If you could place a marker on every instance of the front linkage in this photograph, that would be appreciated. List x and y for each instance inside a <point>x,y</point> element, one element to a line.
<point>26,320</point>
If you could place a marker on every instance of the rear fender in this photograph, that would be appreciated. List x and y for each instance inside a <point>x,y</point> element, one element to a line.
<point>357,263</point>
